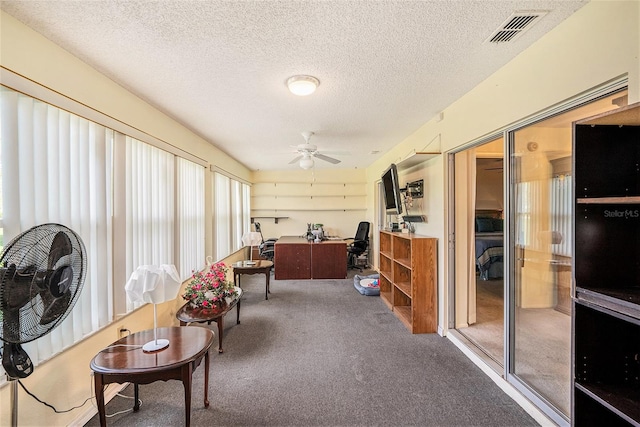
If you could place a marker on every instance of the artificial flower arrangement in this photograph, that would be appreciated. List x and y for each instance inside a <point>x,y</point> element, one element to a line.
<point>209,288</point>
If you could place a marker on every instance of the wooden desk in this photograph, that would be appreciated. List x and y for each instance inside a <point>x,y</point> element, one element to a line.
<point>297,258</point>
<point>292,258</point>
<point>187,347</point>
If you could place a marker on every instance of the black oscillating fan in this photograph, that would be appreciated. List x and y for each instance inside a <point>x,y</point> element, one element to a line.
<point>41,275</point>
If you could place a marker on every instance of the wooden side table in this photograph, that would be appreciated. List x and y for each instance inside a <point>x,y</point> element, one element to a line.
<point>124,361</point>
<point>189,314</point>
<point>253,267</point>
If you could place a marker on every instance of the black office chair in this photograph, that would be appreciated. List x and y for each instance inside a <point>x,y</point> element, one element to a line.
<point>359,245</point>
<point>267,249</point>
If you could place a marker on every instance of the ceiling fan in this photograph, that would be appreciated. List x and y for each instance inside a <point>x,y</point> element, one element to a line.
<point>308,151</point>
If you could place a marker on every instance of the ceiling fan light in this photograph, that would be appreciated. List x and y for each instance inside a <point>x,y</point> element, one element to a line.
<point>302,85</point>
<point>306,162</point>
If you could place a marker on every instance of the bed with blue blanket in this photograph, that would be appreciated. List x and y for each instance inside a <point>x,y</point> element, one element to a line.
<point>489,248</point>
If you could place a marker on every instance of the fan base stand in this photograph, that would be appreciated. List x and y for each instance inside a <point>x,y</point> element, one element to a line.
<point>14,400</point>
<point>155,345</point>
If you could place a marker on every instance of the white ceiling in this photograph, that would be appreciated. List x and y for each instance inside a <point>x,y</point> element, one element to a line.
<point>219,67</point>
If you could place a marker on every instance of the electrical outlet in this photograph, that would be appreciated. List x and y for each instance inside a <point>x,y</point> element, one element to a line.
<point>122,331</point>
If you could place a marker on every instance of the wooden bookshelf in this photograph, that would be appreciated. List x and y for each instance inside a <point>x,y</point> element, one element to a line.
<point>408,279</point>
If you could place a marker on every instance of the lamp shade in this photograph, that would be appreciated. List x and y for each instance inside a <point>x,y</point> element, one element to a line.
<point>252,238</point>
<point>153,284</point>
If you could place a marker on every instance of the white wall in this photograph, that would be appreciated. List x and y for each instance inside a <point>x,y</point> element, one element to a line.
<point>336,198</point>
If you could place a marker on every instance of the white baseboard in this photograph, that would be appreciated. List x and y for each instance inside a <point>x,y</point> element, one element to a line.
<point>109,393</point>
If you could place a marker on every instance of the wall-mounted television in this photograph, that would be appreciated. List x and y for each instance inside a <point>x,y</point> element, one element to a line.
<point>391,187</point>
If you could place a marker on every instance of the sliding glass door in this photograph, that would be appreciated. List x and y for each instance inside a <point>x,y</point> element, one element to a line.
<point>513,234</point>
<point>542,234</point>
<point>542,265</point>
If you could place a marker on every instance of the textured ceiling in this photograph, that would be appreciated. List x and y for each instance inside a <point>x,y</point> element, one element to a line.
<point>220,67</point>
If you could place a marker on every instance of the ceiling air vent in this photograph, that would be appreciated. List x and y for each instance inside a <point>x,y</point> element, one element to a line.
<point>515,25</point>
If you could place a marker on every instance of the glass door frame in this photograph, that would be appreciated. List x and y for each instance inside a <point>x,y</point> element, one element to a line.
<point>508,369</point>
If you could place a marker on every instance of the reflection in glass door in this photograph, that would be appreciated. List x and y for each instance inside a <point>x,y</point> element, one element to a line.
<point>541,214</point>
<point>542,236</point>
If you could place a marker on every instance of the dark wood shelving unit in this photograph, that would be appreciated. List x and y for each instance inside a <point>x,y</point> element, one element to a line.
<point>606,304</point>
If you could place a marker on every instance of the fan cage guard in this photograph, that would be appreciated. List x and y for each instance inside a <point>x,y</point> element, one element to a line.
<point>28,250</point>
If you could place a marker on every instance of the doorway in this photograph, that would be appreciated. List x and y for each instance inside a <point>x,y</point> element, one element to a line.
<point>479,230</point>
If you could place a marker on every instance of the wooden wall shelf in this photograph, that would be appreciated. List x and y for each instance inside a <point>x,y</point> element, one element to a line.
<point>299,196</point>
<point>417,158</point>
<point>274,218</point>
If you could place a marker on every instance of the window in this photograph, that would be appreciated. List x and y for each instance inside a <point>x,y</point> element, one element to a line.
<point>150,205</point>
<point>56,167</point>
<point>231,214</point>
<point>222,216</point>
<point>190,207</point>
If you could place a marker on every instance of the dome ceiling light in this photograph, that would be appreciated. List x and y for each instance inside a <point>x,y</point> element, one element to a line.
<point>302,85</point>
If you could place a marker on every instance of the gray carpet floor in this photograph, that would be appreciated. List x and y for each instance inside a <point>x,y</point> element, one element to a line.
<point>319,353</point>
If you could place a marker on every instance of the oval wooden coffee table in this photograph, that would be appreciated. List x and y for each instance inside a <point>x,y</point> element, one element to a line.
<point>189,314</point>
<point>125,361</point>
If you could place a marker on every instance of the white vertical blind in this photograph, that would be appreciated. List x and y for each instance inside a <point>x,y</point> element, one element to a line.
<point>222,216</point>
<point>57,168</point>
<point>237,228</point>
<point>232,214</point>
<point>190,214</point>
<point>150,187</point>
<point>529,210</point>
<point>562,213</point>
<point>538,200</point>
<point>246,209</point>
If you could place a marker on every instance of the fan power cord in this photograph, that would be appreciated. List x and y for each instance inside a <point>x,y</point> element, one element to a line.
<point>51,406</point>
<point>124,411</point>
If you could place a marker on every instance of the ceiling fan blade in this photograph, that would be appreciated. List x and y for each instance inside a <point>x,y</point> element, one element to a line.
<point>295,160</point>
<point>326,158</point>
<point>60,247</point>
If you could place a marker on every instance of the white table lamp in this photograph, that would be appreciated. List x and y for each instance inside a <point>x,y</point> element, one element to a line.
<point>251,239</point>
<point>154,284</point>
